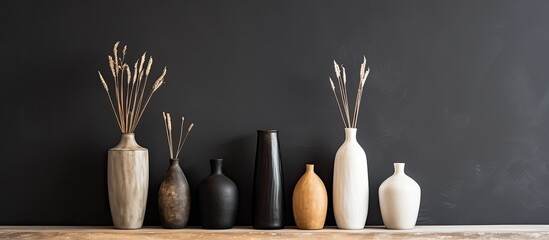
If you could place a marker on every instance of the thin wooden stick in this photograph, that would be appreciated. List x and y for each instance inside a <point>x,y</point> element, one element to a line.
<point>139,109</point>
<point>185,139</point>
<point>130,92</point>
<point>180,135</point>
<point>154,87</point>
<point>357,106</point>
<point>349,120</point>
<point>140,88</point>
<point>337,100</point>
<point>126,102</point>
<point>361,91</point>
<point>169,117</point>
<point>166,128</point>
<point>132,96</point>
<point>341,93</point>
<point>345,96</point>
<point>117,93</point>
<point>106,87</point>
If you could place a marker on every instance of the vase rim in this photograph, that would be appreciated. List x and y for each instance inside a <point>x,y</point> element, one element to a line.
<point>267,130</point>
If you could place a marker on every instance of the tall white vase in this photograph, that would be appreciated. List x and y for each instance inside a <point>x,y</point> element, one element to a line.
<point>128,182</point>
<point>399,198</point>
<point>350,186</point>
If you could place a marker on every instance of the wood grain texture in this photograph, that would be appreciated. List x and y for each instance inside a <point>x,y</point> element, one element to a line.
<point>150,233</point>
<point>310,201</point>
<point>128,182</point>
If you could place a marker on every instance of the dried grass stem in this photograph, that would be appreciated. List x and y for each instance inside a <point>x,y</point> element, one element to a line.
<point>129,94</point>
<point>174,152</point>
<point>342,100</point>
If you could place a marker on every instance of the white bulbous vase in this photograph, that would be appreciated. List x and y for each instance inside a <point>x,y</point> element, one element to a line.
<point>399,199</point>
<point>350,186</point>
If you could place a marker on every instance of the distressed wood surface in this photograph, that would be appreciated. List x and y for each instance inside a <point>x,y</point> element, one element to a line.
<point>148,233</point>
<point>128,182</point>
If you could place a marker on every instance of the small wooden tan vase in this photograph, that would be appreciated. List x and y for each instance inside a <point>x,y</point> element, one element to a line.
<point>310,201</point>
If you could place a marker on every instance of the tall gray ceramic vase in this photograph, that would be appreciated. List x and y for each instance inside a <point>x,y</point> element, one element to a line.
<point>128,182</point>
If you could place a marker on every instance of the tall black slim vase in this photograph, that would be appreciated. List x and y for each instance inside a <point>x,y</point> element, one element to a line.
<point>268,190</point>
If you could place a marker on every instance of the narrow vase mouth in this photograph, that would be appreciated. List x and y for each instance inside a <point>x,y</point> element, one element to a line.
<point>267,130</point>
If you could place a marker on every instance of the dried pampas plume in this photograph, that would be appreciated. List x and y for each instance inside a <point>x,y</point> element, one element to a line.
<point>342,100</point>
<point>149,66</point>
<point>103,82</point>
<point>159,81</point>
<point>115,52</point>
<point>174,152</point>
<point>131,100</point>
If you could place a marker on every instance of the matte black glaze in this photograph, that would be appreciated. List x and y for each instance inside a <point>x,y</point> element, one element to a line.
<point>174,197</point>
<point>268,189</point>
<point>217,199</point>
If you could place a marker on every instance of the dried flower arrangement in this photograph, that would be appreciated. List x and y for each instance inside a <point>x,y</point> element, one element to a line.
<point>169,136</point>
<point>130,91</point>
<point>343,105</point>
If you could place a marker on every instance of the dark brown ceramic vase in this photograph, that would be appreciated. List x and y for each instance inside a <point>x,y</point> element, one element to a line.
<point>174,197</point>
<point>310,201</point>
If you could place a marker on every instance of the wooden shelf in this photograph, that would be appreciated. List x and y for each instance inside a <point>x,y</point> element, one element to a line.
<point>148,233</point>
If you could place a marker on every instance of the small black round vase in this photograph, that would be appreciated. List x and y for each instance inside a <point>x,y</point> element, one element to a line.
<point>217,197</point>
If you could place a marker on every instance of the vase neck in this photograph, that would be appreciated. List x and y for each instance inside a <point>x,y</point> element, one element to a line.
<point>399,168</point>
<point>217,166</point>
<point>350,134</point>
<point>174,162</point>
<point>127,141</point>
<point>310,168</point>
<point>267,134</point>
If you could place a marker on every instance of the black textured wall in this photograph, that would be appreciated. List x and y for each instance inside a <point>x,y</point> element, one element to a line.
<point>459,91</point>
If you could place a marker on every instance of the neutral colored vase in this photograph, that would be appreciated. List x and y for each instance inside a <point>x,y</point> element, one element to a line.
<point>268,186</point>
<point>310,201</point>
<point>350,186</point>
<point>217,199</point>
<point>399,198</point>
<point>128,182</point>
<point>174,197</point>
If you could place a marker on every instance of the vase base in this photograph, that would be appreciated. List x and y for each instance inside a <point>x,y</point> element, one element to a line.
<point>400,228</point>
<point>210,227</point>
<point>269,228</point>
<point>127,228</point>
<point>351,228</point>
